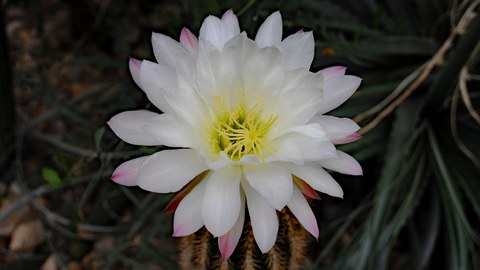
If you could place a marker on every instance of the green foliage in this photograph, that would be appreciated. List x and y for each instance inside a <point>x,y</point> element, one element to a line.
<point>52,177</point>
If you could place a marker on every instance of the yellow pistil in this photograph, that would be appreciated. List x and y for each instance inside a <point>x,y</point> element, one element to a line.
<point>243,132</point>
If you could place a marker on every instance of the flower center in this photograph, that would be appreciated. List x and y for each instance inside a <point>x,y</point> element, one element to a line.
<point>243,132</point>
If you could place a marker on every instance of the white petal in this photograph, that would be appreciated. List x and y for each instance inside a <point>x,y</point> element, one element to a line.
<point>299,106</point>
<point>215,32</point>
<point>317,178</point>
<point>298,50</point>
<point>343,163</point>
<point>263,217</point>
<point>156,80</point>
<point>309,130</point>
<point>188,40</point>
<point>134,65</point>
<point>336,128</point>
<point>170,170</point>
<point>263,74</point>
<point>129,127</point>
<point>288,150</point>
<point>126,173</point>
<point>222,203</point>
<point>313,149</point>
<point>302,211</point>
<point>338,90</point>
<point>169,130</point>
<point>272,181</point>
<point>228,242</point>
<point>231,22</point>
<point>188,215</point>
<point>270,32</point>
<point>166,48</point>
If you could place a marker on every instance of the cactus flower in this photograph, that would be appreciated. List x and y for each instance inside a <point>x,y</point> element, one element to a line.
<point>245,120</point>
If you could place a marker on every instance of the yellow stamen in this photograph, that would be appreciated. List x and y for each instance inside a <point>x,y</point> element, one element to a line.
<point>242,132</point>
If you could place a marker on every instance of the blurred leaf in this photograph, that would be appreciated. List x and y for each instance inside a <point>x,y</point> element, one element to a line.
<point>52,177</point>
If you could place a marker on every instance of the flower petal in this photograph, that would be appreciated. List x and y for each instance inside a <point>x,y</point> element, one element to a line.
<point>170,170</point>
<point>166,49</point>
<point>228,241</point>
<point>343,163</point>
<point>337,91</point>
<point>129,127</point>
<point>331,72</point>
<point>222,203</point>
<point>298,50</point>
<point>169,130</point>
<point>270,32</point>
<point>188,40</point>
<point>305,188</point>
<point>263,217</point>
<point>134,65</point>
<point>272,181</point>
<point>231,22</point>
<point>155,80</point>
<point>188,215</point>
<point>350,138</point>
<point>302,211</point>
<point>317,178</point>
<point>126,173</point>
<point>215,32</point>
<point>178,197</point>
<point>335,127</point>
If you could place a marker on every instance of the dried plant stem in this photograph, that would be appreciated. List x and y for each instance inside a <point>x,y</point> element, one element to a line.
<point>462,84</point>
<point>454,131</point>
<point>432,63</point>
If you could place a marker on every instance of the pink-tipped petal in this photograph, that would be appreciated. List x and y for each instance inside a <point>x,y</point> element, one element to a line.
<point>331,72</point>
<point>228,242</point>
<point>306,189</point>
<point>300,31</point>
<point>126,173</point>
<point>302,211</point>
<point>231,22</point>
<point>343,163</point>
<point>351,138</point>
<point>189,40</point>
<point>336,128</point>
<point>134,65</point>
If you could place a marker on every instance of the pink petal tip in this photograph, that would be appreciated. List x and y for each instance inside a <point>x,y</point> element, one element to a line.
<point>348,139</point>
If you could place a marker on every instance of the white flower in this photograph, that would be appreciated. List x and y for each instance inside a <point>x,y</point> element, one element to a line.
<point>248,118</point>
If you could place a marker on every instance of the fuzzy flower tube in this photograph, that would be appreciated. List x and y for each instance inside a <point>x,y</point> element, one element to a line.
<point>246,119</point>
